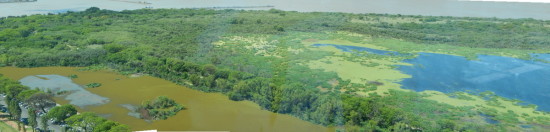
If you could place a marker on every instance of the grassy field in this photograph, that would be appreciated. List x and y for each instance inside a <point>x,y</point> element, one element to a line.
<point>6,128</point>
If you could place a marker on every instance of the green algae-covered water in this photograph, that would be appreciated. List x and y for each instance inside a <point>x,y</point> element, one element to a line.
<point>206,111</point>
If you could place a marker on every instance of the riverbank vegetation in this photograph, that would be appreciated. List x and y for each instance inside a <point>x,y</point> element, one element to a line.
<point>20,97</point>
<point>263,56</point>
<point>160,108</point>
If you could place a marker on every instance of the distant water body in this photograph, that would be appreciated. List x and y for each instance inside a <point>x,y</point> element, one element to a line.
<point>460,8</point>
<point>346,48</point>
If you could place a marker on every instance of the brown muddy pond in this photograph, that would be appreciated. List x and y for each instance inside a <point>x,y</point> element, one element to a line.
<point>205,111</point>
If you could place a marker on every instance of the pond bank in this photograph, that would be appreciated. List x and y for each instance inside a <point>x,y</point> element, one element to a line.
<point>206,111</point>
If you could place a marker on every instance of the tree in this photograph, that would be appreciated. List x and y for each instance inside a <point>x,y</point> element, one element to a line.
<point>209,69</point>
<point>93,9</point>
<point>19,126</point>
<point>4,82</point>
<point>195,79</point>
<point>13,90</point>
<point>44,123</point>
<point>111,126</point>
<point>120,128</point>
<point>40,101</point>
<point>60,113</point>
<point>15,110</point>
<point>24,95</point>
<point>32,118</point>
<point>114,48</point>
<point>90,122</point>
<point>87,121</point>
<point>105,126</point>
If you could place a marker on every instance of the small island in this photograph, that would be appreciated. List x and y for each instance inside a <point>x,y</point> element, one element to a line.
<point>159,109</point>
<point>93,85</point>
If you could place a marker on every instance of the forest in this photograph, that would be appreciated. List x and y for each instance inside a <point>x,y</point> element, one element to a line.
<point>177,45</point>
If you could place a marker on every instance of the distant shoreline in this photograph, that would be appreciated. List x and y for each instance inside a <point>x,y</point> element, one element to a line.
<point>234,7</point>
<point>514,1</point>
<point>515,9</point>
<point>16,1</point>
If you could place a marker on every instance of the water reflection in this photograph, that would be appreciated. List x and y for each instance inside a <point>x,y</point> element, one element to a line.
<point>346,48</point>
<point>75,93</point>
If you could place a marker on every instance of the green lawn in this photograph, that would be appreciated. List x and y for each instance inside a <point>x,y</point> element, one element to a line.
<point>6,128</point>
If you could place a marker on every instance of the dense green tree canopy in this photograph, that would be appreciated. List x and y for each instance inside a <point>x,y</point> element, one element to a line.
<point>90,122</point>
<point>32,118</point>
<point>60,113</point>
<point>40,101</point>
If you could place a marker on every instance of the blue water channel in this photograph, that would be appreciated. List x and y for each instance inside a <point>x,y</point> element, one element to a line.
<point>346,48</point>
<point>526,80</point>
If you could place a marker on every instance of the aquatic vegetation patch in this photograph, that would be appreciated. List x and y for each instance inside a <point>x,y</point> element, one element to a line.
<point>73,76</point>
<point>492,107</point>
<point>160,108</point>
<point>361,64</point>
<point>355,71</point>
<point>93,85</point>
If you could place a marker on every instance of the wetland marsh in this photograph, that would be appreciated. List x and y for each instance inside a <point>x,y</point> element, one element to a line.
<point>261,71</point>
